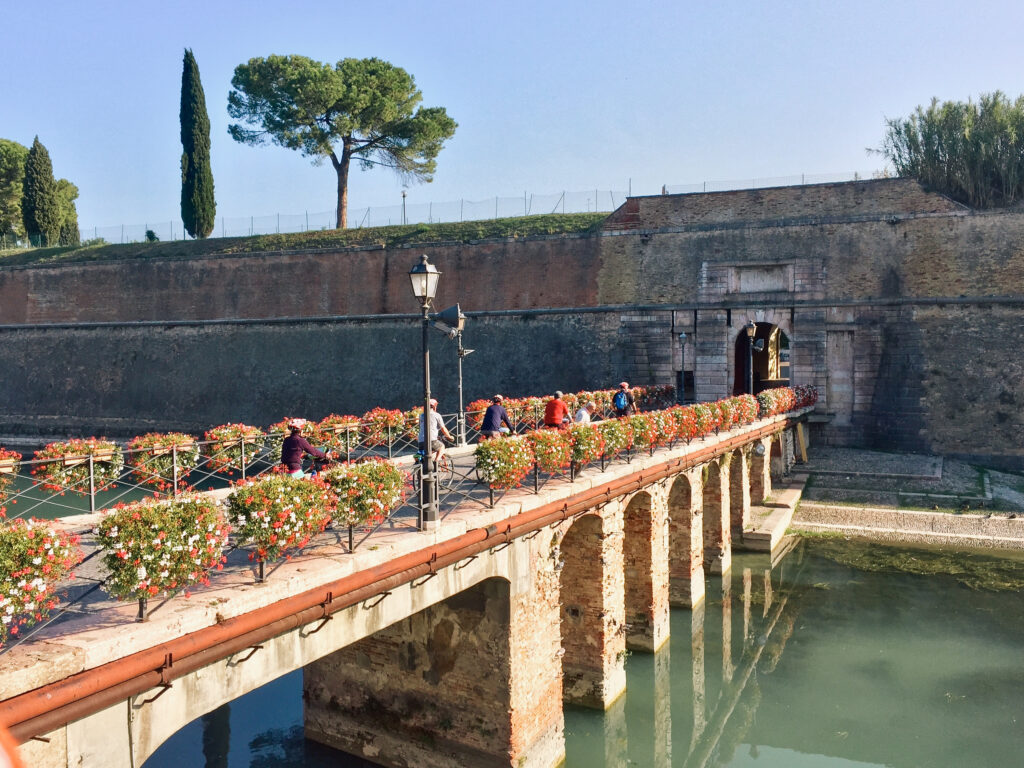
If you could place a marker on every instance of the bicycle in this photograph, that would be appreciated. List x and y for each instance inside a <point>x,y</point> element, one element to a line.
<point>444,471</point>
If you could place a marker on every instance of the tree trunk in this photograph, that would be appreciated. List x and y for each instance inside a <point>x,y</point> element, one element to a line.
<point>342,169</point>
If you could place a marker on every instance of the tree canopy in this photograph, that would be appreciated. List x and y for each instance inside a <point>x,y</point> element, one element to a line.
<point>12,172</point>
<point>40,202</point>
<point>366,108</point>
<point>972,152</point>
<point>198,207</point>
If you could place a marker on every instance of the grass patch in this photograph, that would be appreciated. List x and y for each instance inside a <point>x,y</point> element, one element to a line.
<point>332,239</point>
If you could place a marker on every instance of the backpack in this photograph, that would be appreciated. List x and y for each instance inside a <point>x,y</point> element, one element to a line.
<point>620,401</point>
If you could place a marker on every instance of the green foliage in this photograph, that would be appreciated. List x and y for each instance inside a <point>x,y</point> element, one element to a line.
<point>335,239</point>
<point>67,193</point>
<point>151,236</point>
<point>368,108</point>
<point>972,152</point>
<point>40,202</point>
<point>12,171</point>
<point>198,207</point>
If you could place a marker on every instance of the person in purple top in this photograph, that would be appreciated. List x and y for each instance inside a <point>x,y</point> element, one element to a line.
<point>295,446</point>
<point>494,417</point>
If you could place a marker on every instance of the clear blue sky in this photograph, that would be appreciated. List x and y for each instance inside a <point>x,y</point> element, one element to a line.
<point>549,96</point>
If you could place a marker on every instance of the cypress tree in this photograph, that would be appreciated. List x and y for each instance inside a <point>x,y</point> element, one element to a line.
<point>40,203</point>
<point>198,208</point>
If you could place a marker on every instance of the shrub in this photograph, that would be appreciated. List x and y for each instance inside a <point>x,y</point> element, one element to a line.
<point>475,412</point>
<point>747,408</point>
<point>382,426</point>
<point>587,443</point>
<point>686,423</point>
<point>367,491</point>
<point>65,466</point>
<point>339,433</point>
<point>279,512</point>
<point>503,463</point>
<point>227,443</point>
<point>645,431</point>
<point>34,556</point>
<point>617,434</point>
<point>10,466</point>
<point>161,546</point>
<point>552,450</point>
<point>152,458</point>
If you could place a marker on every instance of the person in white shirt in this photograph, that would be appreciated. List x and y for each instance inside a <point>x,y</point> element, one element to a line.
<point>583,414</point>
<point>436,426</point>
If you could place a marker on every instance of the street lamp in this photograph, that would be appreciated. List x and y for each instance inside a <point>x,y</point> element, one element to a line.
<point>424,277</point>
<point>751,329</point>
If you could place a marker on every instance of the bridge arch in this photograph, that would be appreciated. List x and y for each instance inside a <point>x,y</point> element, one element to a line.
<point>592,608</point>
<point>715,510</point>
<point>645,552</point>
<point>686,540</point>
<point>739,490</point>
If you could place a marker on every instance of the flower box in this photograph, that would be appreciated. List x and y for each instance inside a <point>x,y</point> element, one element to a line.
<point>163,450</point>
<point>103,454</point>
<point>7,466</point>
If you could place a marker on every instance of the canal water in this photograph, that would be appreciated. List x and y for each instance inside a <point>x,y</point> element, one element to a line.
<point>843,654</point>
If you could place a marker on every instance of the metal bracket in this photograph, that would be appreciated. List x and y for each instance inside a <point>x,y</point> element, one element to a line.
<point>168,663</point>
<point>380,598</point>
<point>422,579</point>
<point>323,623</point>
<point>252,652</point>
<point>43,739</point>
<point>463,563</point>
<point>531,535</point>
<point>164,688</point>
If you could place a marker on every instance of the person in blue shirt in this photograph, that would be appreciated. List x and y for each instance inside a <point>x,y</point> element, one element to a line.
<point>494,417</point>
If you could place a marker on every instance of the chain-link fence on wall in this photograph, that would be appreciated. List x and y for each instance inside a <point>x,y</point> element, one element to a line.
<point>529,204</point>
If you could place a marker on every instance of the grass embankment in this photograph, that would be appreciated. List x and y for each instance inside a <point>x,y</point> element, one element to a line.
<point>331,239</point>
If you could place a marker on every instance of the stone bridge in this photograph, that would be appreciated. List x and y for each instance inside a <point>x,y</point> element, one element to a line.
<point>451,647</point>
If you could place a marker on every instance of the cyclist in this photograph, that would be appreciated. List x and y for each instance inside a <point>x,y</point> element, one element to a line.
<point>295,446</point>
<point>494,417</point>
<point>436,426</point>
<point>556,413</point>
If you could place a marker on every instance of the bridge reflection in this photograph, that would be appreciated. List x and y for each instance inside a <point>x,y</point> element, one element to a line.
<point>691,704</point>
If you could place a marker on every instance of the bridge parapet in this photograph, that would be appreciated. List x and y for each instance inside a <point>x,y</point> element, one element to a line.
<point>104,657</point>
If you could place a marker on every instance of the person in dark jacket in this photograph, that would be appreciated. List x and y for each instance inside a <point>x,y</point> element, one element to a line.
<point>494,417</point>
<point>295,446</point>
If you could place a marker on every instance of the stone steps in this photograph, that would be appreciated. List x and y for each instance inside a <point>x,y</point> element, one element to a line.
<point>770,520</point>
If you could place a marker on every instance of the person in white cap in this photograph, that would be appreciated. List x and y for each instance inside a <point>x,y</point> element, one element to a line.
<point>623,401</point>
<point>436,426</point>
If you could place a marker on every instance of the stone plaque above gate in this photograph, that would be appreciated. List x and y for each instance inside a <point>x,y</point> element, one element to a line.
<point>761,278</point>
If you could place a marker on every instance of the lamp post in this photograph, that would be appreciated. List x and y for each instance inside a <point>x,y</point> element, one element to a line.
<point>751,329</point>
<point>424,277</point>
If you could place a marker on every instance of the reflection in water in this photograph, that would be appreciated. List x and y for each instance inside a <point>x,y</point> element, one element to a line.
<point>851,655</point>
<point>841,655</point>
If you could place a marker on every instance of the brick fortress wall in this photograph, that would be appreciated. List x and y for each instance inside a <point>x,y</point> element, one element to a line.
<point>901,306</point>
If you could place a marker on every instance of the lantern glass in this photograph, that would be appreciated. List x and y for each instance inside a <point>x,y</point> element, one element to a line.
<point>424,277</point>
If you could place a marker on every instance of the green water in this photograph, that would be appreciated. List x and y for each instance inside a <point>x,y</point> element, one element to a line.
<point>841,655</point>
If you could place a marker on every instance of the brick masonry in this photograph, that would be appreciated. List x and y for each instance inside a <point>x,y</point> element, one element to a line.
<point>901,306</point>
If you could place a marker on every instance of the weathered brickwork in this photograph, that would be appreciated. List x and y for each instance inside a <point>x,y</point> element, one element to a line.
<point>686,540</point>
<point>715,512</point>
<point>894,301</point>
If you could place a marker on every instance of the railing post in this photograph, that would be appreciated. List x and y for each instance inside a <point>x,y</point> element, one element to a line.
<point>142,609</point>
<point>92,484</point>
<point>241,445</point>
<point>174,464</point>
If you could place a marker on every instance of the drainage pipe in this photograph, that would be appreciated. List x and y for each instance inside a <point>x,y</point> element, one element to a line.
<point>45,709</point>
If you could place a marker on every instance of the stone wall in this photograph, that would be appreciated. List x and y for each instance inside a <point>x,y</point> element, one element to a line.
<point>899,305</point>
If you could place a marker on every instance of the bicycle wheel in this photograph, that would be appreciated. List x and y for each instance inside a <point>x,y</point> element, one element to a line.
<point>445,472</point>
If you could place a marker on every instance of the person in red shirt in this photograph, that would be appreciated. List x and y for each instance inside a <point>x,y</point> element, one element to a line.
<point>556,413</point>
